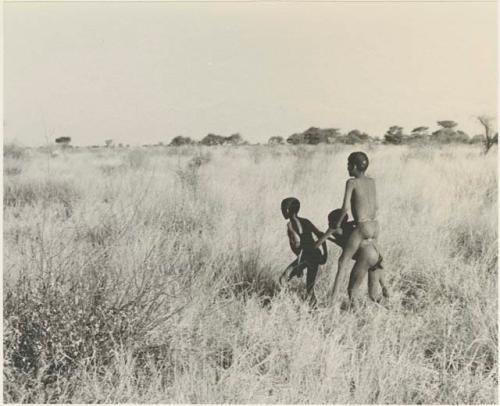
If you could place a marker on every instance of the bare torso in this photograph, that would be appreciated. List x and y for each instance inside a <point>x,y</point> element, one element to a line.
<point>363,200</point>
<point>300,233</point>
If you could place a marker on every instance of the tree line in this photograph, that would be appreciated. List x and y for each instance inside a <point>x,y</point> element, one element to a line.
<point>446,133</point>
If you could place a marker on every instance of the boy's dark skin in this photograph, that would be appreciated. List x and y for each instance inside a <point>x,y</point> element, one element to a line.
<point>300,233</point>
<point>368,260</point>
<point>360,199</point>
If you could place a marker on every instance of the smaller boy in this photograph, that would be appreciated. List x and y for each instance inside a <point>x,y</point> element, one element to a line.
<point>300,235</point>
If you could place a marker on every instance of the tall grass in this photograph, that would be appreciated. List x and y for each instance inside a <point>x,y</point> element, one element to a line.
<point>133,276</point>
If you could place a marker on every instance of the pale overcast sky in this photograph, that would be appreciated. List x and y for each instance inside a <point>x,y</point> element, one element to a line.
<point>146,72</point>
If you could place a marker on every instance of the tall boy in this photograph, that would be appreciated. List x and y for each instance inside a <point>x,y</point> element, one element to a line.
<point>360,199</point>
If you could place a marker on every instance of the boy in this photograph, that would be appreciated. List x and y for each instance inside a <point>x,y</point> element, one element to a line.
<point>360,199</point>
<point>367,258</point>
<point>300,234</point>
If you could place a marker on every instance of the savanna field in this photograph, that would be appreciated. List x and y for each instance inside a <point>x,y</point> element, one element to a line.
<point>150,275</point>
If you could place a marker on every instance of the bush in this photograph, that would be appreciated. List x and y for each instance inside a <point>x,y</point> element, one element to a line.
<point>136,159</point>
<point>213,139</point>
<point>13,151</point>
<point>11,170</point>
<point>276,140</point>
<point>314,136</point>
<point>356,137</point>
<point>53,328</point>
<point>180,140</point>
<point>47,191</point>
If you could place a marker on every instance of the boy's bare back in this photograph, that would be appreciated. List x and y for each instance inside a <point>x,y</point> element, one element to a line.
<point>363,199</point>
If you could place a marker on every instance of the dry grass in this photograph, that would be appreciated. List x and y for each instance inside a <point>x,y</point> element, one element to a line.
<point>150,276</point>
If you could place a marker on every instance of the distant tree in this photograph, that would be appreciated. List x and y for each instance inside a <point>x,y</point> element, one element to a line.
<point>420,130</point>
<point>447,133</point>
<point>477,139</point>
<point>181,140</point>
<point>394,135</point>
<point>447,124</point>
<point>120,145</point>
<point>213,139</point>
<point>419,134</point>
<point>276,140</point>
<point>461,136</point>
<point>160,144</point>
<point>356,137</point>
<point>235,139</point>
<point>108,143</point>
<point>489,140</point>
<point>315,135</point>
<point>332,135</point>
<point>295,139</point>
<point>64,141</point>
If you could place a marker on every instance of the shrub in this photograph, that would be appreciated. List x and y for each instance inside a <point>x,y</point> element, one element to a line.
<point>189,176</point>
<point>54,327</point>
<point>110,170</point>
<point>277,140</point>
<point>11,170</point>
<point>213,139</point>
<point>180,140</point>
<point>356,137</point>
<point>136,159</point>
<point>314,136</point>
<point>13,151</point>
<point>394,135</point>
<point>47,191</point>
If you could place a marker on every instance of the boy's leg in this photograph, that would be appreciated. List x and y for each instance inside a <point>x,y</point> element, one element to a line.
<point>312,272</point>
<point>350,249</point>
<point>288,269</point>
<point>298,270</point>
<point>356,278</point>
<point>383,285</point>
<point>381,272</point>
<point>373,281</point>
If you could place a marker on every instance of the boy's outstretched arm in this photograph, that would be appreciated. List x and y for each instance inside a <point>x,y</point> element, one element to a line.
<point>323,237</point>
<point>321,240</point>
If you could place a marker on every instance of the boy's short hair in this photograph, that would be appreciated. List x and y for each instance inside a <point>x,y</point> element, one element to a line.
<point>333,218</point>
<point>290,204</point>
<point>359,159</point>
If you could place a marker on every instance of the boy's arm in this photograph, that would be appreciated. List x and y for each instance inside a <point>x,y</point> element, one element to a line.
<point>314,230</point>
<point>324,237</point>
<point>321,239</point>
<point>346,205</point>
<point>321,242</point>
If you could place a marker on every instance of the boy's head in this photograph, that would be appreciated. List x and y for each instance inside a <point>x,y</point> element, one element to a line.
<point>342,237</point>
<point>357,162</point>
<point>333,218</point>
<point>289,207</point>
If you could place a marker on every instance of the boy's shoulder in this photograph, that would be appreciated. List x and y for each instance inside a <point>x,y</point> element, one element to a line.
<point>304,221</point>
<point>364,179</point>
